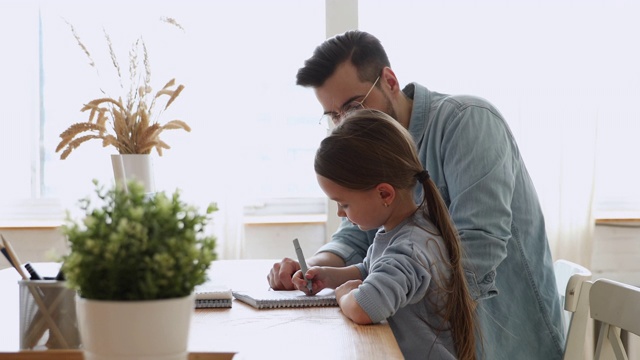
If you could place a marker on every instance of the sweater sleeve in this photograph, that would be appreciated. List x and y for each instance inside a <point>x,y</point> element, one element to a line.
<point>397,278</point>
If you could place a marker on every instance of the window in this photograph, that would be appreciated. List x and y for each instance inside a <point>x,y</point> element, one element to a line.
<point>22,201</point>
<point>254,132</point>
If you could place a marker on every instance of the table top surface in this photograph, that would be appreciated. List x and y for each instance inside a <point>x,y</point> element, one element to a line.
<point>308,333</point>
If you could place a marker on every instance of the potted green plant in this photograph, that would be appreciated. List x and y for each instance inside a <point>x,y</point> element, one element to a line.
<point>135,260</point>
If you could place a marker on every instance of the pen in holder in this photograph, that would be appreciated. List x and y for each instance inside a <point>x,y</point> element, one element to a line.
<point>47,315</point>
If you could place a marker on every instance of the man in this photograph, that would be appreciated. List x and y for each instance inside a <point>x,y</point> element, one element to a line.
<point>472,156</point>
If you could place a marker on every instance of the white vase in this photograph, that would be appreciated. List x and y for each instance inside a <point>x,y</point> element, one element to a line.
<point>140,330</point>
<point>127,167</point>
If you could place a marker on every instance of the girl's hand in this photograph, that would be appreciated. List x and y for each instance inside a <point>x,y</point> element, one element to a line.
<point>317,275</point>
<point>348,304</point>
<point>346,288</point>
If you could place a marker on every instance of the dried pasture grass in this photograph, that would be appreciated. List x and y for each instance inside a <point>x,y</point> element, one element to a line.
<point>127,126</point>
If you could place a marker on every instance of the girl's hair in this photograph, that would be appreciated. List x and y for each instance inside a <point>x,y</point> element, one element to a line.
<point>368,148</point>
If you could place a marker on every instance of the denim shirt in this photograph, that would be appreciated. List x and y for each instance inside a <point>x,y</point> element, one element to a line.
<point>473,158</point>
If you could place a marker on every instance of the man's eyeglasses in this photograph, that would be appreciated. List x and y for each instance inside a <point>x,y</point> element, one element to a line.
<point>333,118</point>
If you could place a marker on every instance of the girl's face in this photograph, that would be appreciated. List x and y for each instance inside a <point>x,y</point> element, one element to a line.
<point>366,209</point>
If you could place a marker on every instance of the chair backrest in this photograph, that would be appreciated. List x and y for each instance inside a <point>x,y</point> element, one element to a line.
<point>617,306</point>
<point>573,290</point>
<point>569,279</point>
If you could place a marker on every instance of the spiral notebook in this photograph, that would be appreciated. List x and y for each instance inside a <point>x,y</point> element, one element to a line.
<point>212,296</point>
<point>272,299</point>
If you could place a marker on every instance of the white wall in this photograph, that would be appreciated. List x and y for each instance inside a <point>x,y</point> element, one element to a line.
<point>34,245</point>
<point>274,241</point>
<point>616,248</point>
<point>616,252</point>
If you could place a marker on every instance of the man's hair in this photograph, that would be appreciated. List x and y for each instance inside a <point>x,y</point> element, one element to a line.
<point>363,50</point>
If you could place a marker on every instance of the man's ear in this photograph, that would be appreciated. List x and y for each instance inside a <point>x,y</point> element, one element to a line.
<point>386,192</point>
<point>389,80</point>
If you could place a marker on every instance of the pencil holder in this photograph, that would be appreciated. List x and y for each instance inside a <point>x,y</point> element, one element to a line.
<point>47,316</point>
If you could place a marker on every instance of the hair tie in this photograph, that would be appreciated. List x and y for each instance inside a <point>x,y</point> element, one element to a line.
<point>422,176</point>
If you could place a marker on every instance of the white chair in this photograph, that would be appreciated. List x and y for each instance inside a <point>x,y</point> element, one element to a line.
<point>617,307</point>
<point>573,289</point>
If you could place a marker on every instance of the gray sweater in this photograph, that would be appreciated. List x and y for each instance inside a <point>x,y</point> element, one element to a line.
<point>401,273</point>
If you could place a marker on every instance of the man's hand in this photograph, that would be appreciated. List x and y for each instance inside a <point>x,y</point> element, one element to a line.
<point>280,275</point>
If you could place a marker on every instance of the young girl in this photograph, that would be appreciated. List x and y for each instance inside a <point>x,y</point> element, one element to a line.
<point>412,275</point>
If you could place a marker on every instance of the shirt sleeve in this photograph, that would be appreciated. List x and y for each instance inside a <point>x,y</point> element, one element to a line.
<point>349,242</point>
<point>480,164</point>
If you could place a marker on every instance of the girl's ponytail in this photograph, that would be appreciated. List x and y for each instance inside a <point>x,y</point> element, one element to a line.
<point>459,311</point>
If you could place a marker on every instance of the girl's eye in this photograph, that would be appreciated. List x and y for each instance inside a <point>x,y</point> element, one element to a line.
<point>342,206</point>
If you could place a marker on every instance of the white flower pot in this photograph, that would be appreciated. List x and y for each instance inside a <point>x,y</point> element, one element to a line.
<point>127,167</point>
<point>141,330</point>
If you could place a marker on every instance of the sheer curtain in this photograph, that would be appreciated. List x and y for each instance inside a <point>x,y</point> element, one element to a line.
<point>562,74</point>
